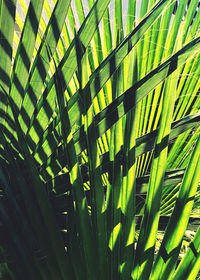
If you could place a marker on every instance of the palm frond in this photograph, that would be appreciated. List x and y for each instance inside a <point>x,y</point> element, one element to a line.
<point>99,139</point>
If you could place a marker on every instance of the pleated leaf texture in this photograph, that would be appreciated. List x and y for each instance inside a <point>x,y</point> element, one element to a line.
<point>99,139</point>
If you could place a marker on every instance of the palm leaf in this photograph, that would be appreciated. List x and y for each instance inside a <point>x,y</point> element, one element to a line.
<point>99,139</point>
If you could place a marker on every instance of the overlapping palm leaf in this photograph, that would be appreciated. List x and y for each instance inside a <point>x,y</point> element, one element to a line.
<point>99,139</point>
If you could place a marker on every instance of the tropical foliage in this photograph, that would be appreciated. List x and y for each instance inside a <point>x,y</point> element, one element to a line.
<point>99,139</point>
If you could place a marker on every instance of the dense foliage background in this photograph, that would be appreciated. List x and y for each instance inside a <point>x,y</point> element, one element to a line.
<point>99,139</point>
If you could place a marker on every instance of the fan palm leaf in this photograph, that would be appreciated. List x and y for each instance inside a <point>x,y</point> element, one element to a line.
<point>99,139</point>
